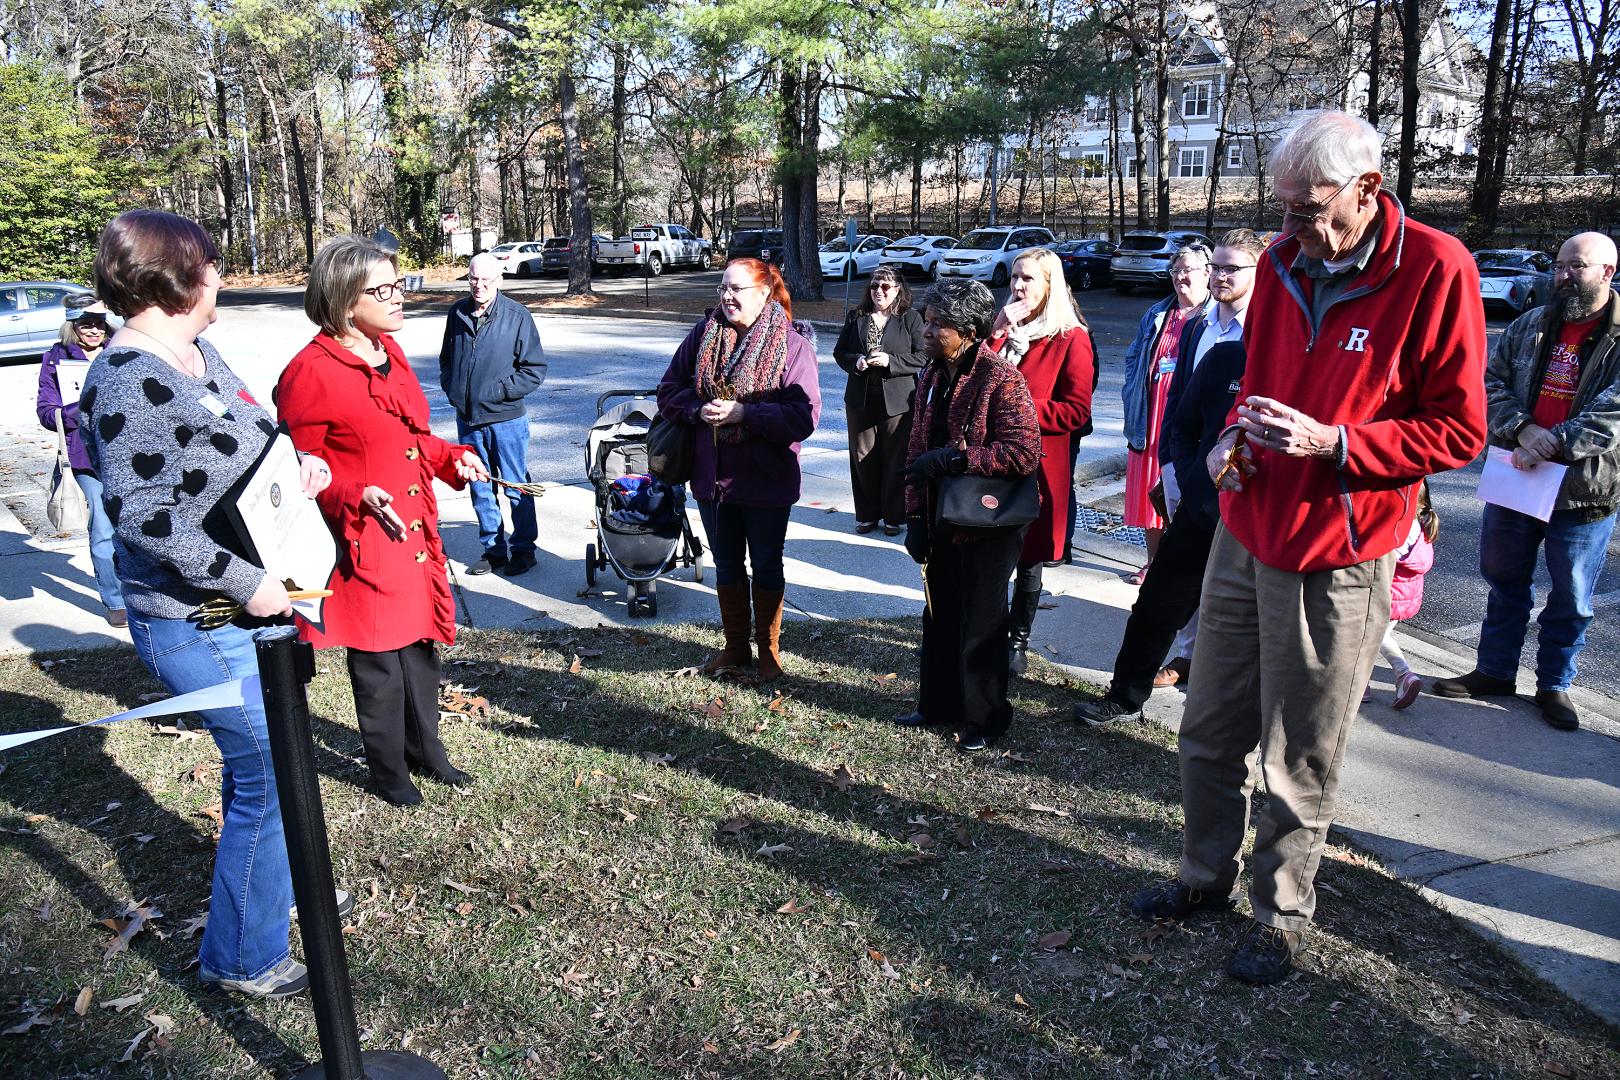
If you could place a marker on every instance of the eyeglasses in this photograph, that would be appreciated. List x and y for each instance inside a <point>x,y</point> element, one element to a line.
<point>386,291</point>
<point>1571,267</point>
<point>1189,271</point>
<point>1228,269</point>
<point>1309,214</point>
<point>734,290</point>
<point>97,325</point>
<point>884,285</point>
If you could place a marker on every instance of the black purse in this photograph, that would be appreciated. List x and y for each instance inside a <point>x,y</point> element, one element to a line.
<point>987,502</point>
<point>671,447</point>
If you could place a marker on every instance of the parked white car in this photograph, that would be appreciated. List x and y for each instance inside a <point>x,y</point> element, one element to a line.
<point>514,256</point>
<point>917,256</point>
<point>1514,278</point>
<point>31,315</point>
<point>838,262</point>
<point>988,254</point>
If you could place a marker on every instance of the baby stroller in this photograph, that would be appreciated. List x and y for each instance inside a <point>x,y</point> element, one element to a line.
<point>641,526</point>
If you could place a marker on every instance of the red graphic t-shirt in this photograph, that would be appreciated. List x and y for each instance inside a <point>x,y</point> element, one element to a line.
<point>1557,397</point>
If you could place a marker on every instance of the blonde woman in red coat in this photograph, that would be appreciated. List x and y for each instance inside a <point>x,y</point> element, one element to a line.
<point>1042,332</point>
<point>351,398</point>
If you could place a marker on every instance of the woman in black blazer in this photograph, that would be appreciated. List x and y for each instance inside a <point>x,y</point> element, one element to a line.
<point>881,347</point>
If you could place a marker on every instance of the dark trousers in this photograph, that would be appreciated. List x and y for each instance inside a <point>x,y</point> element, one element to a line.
<point>396,700</point>
<point>1074,502</point>
<point>877,459</point>
<point>1169,596</point>
<point>964,644</point>
<point>741,537</point>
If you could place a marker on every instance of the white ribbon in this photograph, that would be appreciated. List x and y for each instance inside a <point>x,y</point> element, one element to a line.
<point>222,696</point>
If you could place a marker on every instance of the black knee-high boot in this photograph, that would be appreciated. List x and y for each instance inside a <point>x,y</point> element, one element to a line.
<point>1026,601</point>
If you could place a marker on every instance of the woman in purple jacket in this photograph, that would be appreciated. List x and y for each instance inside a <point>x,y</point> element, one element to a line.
<point>746,376</point>
<point>83,335</point>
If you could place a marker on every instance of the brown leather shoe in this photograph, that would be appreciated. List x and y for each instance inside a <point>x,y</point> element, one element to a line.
<point>735,618</point>
<point>768,631</point>
<point>1174,673</point>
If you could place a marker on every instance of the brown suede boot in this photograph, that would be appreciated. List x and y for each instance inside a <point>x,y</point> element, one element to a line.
<point>768,631</point>
<point>735,619</point>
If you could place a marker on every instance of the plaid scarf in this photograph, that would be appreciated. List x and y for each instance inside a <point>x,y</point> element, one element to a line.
<point>750,373</point>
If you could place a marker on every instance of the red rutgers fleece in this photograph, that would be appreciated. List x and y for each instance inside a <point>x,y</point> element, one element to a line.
<point>1398,362</point>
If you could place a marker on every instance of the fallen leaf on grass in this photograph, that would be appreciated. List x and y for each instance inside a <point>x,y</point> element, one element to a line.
<point>1057,866</point>
<point>784,1042</point>
<point>126,926</point>
<point>689,672</point>
<point>1139,958</point>
<point>843,778</point>
<point>890,677</point>
<point>32,1020</point>
<point>43,911</point>
<point>922,858</point>
<point>197,773</point>
<point>150,697</point>
<point>590,654</point>
<point>714,709</point>
<point>962,838</point>
<point>466,907</point>
<point>1042,808</point>
<point>183,734</point>
<point>793,907</point>
<point>772,850</point>
<point>736,826</point>
<point>1018,999</point>
<point>466,890</point>
<point>1013,755</point>
<point>576,667</point>
<point>1557,1068</point>
<point>1158,930</point>
<point>81,1004</point>
<point>656,759</point>
<point>921,840</point>
<point>987,813</point>
<point>134,1044</point>
<point>122,1003</point>
<point>886,968</point>
<point>1054,941</point>
<point>776,703</point>
<point>710,1048</point>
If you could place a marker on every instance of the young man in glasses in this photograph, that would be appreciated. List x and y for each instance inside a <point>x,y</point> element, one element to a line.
<point>1365,374</point>
<point>1553,387</point>
<point>490,361</point>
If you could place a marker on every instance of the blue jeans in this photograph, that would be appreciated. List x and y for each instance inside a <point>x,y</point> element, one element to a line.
<point>756,532</point>
<point>101,542</point>
<point>247,916</point>
<point>504,446</point>
<point>1508,544</point>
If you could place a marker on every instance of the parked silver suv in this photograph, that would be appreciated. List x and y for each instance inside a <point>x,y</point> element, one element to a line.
<point>1143,258</point>
<point>31,315</point>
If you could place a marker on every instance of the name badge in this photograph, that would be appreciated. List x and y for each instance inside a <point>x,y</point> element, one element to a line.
<point>212,404</point>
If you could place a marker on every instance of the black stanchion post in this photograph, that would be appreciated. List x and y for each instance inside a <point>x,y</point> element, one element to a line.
<point>285,666</point>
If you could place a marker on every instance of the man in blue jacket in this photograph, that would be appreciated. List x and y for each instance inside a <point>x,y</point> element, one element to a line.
<point>490,361</point>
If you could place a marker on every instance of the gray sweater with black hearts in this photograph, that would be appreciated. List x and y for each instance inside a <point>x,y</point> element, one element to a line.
<point>168,447</point>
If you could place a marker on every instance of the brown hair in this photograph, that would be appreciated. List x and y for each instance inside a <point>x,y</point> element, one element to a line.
<point>769,276</point>
<point>152,258</point>
<point>1245,240</point>
<point>338,276</point>
<point>902,294</point>
<point>1428,521</point>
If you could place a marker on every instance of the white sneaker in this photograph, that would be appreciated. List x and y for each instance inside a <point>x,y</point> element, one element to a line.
<point>345,904</point>
<point>284,980</point>
<point>1407,689</point>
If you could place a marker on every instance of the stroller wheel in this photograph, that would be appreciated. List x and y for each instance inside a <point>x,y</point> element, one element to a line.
<point>590,565</point>
<point>697,568</point>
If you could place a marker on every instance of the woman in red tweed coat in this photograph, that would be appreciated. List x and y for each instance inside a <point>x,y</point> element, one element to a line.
<point>350,397</point>
<point>972,414</point>
<point>1041,331</point>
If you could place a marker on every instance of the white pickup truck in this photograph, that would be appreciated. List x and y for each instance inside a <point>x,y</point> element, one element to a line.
<point>657,247</point>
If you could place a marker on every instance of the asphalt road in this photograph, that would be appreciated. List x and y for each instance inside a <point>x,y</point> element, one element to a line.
<point>260,329</point>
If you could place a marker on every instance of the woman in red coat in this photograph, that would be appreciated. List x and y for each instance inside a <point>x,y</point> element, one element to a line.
<point>351,398</point>
<point>1042,332</point>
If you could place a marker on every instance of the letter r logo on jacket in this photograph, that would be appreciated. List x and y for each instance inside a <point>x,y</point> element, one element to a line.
<point>1358,340</point>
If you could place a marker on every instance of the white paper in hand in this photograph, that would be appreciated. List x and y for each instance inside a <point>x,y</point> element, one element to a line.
<point>285,526</point>
<point>1529,491</point>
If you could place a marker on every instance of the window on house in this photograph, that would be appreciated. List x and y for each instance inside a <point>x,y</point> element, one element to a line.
<point>1195,100</point>
<point>1096,112</point>
<point>1093,162</point>
<point>1234,155</point>
<point>1193,161</point>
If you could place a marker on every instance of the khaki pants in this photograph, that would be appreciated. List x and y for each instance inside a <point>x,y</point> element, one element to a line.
<point>1281,662</point>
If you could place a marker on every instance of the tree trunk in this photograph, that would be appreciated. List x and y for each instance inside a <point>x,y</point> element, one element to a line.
<point>1140,150</point>
<point>916,188</point>
<point>1215,180</point>
<point>1117,164</point>
<point>227,183</point>
<point>303,193</point>
<point>621,193</point>
<point>1375,61</point>
<point>579,198</point>
<point>809,198</point>
<point>797,233</point>
<point>319,178</point>
<point>1411,48</point>
<point>1161,87</point>
<point>1483,202</point>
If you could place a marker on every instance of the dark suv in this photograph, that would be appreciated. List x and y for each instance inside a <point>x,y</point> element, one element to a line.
<point>1143,258</point>
<point>763,244</point>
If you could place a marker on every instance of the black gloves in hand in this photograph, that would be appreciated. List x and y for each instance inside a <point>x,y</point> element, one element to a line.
<point>945,461</point>
<point>917,542</point>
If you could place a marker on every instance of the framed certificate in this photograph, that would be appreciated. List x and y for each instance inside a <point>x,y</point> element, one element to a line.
<point>70,379</point>
<point>282,528</point>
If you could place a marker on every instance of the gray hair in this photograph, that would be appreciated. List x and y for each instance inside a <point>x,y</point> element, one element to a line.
<point>1328,148</point>
<point>338,276</point>
<point>1195,247</point>
<point>966,306</point>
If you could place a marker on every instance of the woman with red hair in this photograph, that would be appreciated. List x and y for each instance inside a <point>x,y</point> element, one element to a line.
<point>746,377</point>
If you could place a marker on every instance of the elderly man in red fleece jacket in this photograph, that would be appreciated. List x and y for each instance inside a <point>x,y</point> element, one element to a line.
<point>1366,343</point>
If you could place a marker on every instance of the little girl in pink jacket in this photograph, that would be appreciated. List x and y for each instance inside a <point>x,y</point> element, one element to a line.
<point>1412,560</point>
